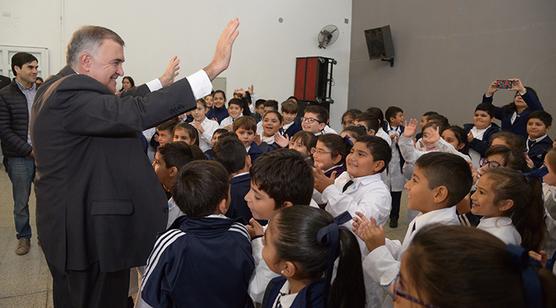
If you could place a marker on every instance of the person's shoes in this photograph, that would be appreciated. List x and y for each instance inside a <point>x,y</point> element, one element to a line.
<point>23,246</point>
<point>393,223</point>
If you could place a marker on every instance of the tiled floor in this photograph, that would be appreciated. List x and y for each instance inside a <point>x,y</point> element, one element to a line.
<point>25,280</point>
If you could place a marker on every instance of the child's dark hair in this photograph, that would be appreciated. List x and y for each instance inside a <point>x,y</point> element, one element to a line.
<point>202,102</point>
<point>371,122</point>
<point>358,131</point>
<point>230,152</point>
<point>458,266</point>
<point>220,131</point>
<point>190,130</point>
<point>527,212</point>
<point>285,176</point>
<point>221,92</point>
<point>440,119</point>
<point>259,102</point>
<point>296,241</point>
<point>168,125</point>
<point>289,106</point>
<point>511,106</point>
<point>448,170</point>
<point>488,108</point>
<point>271,103</point>
<point>376,113</point>
<point>319,111</point>
<point>200,187</point>
<point>309,140</point>
<point>391,112</point>
<point>278,115</point>
<point>236,101</point>
<point>176,154</point>
<point>351,113</point>
<point>461,136</point>
<point>514,141</point>
<point>551,158</point>
<point>336,145</point>
<point>197,152</point>
<point>513,159</point>
<point>246,122</point>
<point>543,116</point>
<point>429,113</point>
<point>380,150</point>
<point>435,124</point>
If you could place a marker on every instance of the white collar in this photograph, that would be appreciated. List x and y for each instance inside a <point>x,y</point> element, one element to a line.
<point>440,215</point>
<point>495,222</point>
<point>538,139</point>
<point>240,174</point>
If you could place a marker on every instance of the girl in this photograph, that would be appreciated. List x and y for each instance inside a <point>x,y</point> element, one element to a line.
<point>272,122</point>
<point>457,266</point>
<point>353,132</point>
<point>508,139</point>
<point>208,100</point>
<point>514,115</point>
<point>235,110</point>
<point>218,111</point>
<point>349,116</point>
<point>456,136</point>
<point>301,244</point>
<point>512,207</point>
<point>303,142</point>
<point>329,154</point>
<point>204,125</point>
<point>187,133</point>
<point>127,84</point>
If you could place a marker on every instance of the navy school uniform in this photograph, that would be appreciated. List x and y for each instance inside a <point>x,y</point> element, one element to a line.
<point>339,169</point>
<point>239,187</point>
<point>217,114</point>
<point>481,146</point>
<point>256,150</point>
<point>314,295</point>
<point>200,262</point>
<point>294,128</point>
<point>536,150</point>
<point>209,154</point>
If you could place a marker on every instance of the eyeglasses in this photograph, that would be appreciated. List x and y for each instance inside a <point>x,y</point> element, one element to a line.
<point>489,163</point>
<point>395,290</point>
<point>319,151</point>
<point>310,120</point>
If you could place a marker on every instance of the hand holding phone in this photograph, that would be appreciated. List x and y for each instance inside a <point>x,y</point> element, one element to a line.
<point>504,84</point>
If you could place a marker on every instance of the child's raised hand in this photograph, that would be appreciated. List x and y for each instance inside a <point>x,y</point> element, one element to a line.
<point>282,141</point>
<point>371,233</point>
<point>321,180</point>
<point>410,128</point>
<point>491,88</point>
<point>254,228</point>
<point>432,138</point>
<point>358,220</point>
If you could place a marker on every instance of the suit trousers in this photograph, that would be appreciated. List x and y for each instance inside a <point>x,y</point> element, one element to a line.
<point>89,288</point>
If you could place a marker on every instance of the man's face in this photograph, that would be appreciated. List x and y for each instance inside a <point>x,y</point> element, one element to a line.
<point>106,64</point>
<point>27,73</point>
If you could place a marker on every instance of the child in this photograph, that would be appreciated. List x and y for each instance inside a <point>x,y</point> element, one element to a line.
<point>235,111</point>
<point>217,133</point>
<point>218,111</point>
<point>271,135</point>
<point>393,177</point>
<point>230,152</point>
<point>208,100</point>
<point>291,123</point>
<point>479,133</point>
<point>259,109</point>
<point>511,206</point>
<point>456,266</point>
<point>329,154</point>
<point>303,142</point>
<point>187,133</point>
<point>538,142</point>
<point>349,116</point>
<point>372,125</point>
<point>272,189</point>
<point>183,269</point>
<point>360,188</point>
<point>353,132</point>
<point>245,128</point>
<point>439,182</point>
<point>457,137</point>
<point>508,139</point>
<point>300,244</point>
<point>165,132</point>
<point>425,118</point>
<point>204,126</point>
<point>315,119</point>
<point>549,193</point>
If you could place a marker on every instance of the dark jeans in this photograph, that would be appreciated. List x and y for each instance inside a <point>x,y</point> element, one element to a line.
<point>89,288</point>
<point>396,199</point>
<point>21,171</point>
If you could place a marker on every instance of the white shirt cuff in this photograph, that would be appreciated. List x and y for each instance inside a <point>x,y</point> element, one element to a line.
<point>154,85</point>
<point>200,84</point>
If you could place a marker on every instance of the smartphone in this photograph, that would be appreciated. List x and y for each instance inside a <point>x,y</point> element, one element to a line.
<point>504,84</point>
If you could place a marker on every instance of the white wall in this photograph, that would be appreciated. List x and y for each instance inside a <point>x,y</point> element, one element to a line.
<point>264,54</point>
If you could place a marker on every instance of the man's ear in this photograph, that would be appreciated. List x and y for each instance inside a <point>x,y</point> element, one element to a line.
<point>17,69</point>
<point>379,164</point>
<point>440,194</point>
<point>85,61</point>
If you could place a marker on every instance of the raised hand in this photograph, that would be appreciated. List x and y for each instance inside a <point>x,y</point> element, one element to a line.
<point>491,89</point>
<point>321,180</point>
<point>517,85</point>
<point>281,140</point>
<point>433,137</point>
<point>223,53</point>
<point>171,72</point>
<point>410,128</point>
<point>254,228</point>
<point>369,231</point>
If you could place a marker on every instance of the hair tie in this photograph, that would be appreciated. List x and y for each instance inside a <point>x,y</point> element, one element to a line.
<point>537,173</point>
<point>529,276</point>
<point>329,236</point>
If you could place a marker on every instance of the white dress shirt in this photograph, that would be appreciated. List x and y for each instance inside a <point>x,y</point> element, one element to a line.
<point>502,228</point>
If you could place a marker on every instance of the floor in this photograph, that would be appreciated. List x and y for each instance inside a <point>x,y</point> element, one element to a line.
<point>25,280</point>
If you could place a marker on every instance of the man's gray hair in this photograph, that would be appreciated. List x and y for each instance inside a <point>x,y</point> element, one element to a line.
<point>89,38</point>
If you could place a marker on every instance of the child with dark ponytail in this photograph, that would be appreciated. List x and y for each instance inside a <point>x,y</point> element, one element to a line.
<point>512,207</point>
<point>301,244</point>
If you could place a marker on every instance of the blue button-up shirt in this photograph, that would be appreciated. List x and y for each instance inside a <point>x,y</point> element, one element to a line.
<point>30,97</point>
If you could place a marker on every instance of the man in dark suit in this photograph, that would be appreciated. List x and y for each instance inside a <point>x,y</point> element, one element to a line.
<point>99,203</point>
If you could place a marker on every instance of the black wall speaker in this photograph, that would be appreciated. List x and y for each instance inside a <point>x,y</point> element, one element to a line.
<point>379,43</point>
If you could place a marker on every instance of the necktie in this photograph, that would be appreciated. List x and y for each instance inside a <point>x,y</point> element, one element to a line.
<point>348,184</point>
<point>530,143</point>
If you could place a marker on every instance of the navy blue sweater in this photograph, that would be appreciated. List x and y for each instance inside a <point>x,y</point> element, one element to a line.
<point>204,262</point>
<point>536,151</point>
<point>481,146</point>
<point>217,114</point>
<point>311,296</point>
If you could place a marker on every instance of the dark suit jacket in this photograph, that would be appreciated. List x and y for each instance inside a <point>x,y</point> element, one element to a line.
<point>98,198</point>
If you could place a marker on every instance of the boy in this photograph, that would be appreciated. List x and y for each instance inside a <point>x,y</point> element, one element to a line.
<point>480,132</point>
<point>230,152</point>
<point>280,178</point>
<point>184,268</point>
<point>439,182</point>
<point>315,119</point>
<point>165,132</point>
<point>372,125</point>
<point>245,128</point>
<point>394,178</point>
<point>217,133</point>
<point>538,142</point>
<point>259,109</point>
<point>291,123</point>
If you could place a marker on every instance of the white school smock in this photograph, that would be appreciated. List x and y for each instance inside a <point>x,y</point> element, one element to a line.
<point>502,228</point>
